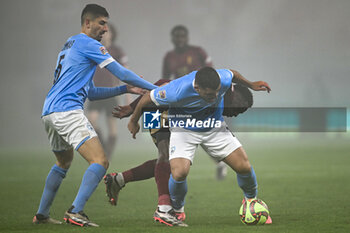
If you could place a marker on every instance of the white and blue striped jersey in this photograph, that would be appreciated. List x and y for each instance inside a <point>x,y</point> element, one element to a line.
<point>184,101</point>
<point>76,65</point>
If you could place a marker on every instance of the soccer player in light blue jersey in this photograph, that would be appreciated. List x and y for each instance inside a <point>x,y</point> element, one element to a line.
<point>195,104</point>
<point>63,117</point>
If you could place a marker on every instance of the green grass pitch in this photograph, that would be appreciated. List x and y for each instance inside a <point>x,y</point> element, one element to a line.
<point>306,188</point>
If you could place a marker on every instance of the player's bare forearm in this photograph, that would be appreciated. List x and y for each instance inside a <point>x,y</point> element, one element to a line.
<point>133,124</point>
<point>256,86</point>
<point>144,101</point>
<point>122,111</point>
<point>135,90</point>
<point>135,102</point>
<point>239,79</point>
<point>127,110</point>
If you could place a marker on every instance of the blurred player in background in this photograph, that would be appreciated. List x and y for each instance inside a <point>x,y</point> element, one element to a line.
<point>236,101</point>
<point>183,59</point>
<point>200,95</point>
<point>65,123</point>
<point>103,78</point>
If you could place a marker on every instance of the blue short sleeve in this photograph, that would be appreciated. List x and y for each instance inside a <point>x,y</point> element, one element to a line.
<point>226,77</point>
<point>164,95</point>
<point>95,51</point>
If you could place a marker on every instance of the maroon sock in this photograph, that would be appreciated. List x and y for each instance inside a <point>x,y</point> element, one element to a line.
<point>142,172</point>
<point>161,175</point>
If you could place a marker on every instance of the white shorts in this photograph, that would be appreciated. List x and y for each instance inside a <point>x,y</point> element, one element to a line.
<point>68,130</point>
<point>218,143</point>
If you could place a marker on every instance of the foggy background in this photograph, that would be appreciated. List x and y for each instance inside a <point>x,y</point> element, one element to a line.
<point>301,48</point>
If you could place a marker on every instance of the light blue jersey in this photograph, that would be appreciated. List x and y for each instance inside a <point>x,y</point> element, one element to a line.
<point>185,102</point>
<point>76,65</point>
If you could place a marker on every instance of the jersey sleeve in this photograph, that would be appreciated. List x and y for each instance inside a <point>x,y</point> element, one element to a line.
<point>164,95</point>
<point>95,51</point>
<point>226,77</point>
<point>99,93</point>
<point>128,76</point>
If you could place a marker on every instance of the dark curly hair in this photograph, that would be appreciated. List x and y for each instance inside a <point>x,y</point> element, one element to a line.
<point>237,101</point>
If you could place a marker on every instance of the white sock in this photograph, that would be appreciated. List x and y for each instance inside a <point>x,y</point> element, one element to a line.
<point>246,198</point>
<point>164,208</point>
<point>120,179</point>
<point>182,209</point>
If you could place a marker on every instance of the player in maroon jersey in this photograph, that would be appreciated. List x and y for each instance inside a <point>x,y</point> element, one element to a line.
<point>103,78</point>
<point>184,58</point>
<point>158,168</point>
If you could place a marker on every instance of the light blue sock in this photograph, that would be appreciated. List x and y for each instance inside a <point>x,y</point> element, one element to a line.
<point>93,175</point>
<point>53,182</point>
<point>248,184</point>
<point>177,190</point>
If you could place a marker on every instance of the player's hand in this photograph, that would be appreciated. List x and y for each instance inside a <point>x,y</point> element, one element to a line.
<point>134,128</point>
<point>260,86</point>
<point>135,90</point>
<point>122,111</point>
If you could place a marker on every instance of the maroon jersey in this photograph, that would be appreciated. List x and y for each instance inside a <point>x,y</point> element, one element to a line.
<point>177,64</point>
<point>104,78</point>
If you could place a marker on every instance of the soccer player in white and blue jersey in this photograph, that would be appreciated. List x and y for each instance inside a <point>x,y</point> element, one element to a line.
<point>195,104</point>
<point>63,117</point>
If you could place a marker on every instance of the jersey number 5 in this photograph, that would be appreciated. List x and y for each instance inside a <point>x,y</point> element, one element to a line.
<point>58,69</point>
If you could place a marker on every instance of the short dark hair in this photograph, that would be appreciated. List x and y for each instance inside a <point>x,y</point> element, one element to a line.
<point>207,77</point>
<point>179,28</point>
<point>246,94</point>
<point>237,101</point>
<point>94,11</point>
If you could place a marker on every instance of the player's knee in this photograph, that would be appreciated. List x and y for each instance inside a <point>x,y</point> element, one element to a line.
<point>64,165</point>
<point>180,167</point>
<point>105,163</point>
<point>163,156</point>
<point>102,161</point>
<point>163,159</point>
<point>244,167</point>
<point>179,174</point>
<point>163,151</point>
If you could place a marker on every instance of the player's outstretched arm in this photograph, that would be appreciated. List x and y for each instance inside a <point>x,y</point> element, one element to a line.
<point>133,124</point>
<point>135,90</point>
<point>126,110</point>
<point>128,76</point>
<point>98,93</point>
<point>256,86</point>
<point>122,111</point>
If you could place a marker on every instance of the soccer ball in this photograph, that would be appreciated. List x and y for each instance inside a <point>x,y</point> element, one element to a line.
<point>253,212</point>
